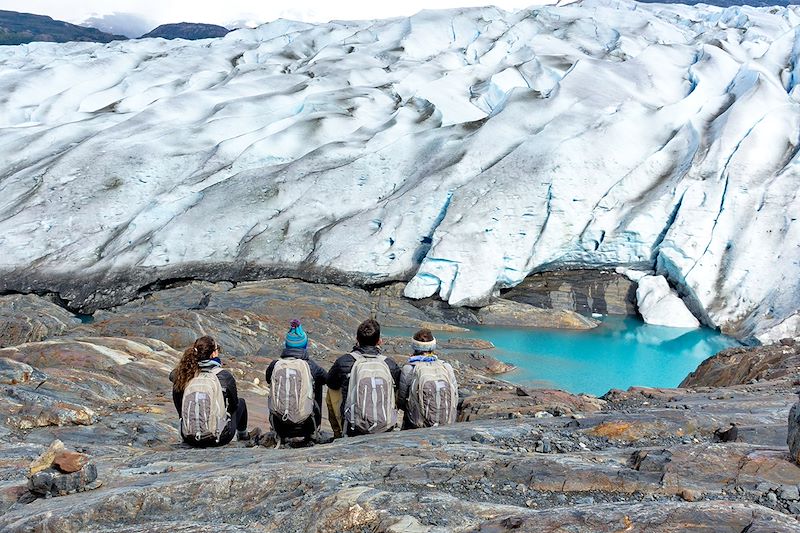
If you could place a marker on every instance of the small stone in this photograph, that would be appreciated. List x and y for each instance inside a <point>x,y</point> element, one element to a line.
<point>794,508</point>
<point>790,492</point>
<point>69,462</point>
<point>542,414</point>
<point>521,488</point>
<point>483,437</point>
<point>41,482</point>
<point>765,487</point>
<point>588,500</point>
<point>46,458</point>
<point>691,495</point>
<point>772,498</point>
<point>561,498</point>
<point>531,503</point>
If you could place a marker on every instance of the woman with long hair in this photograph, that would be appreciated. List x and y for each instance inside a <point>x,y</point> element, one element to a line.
<point>203,357</point>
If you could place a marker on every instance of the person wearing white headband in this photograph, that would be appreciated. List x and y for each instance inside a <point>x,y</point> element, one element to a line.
<point>424,345</point>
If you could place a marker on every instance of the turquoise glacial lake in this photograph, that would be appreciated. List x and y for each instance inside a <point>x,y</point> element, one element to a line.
<point>620,353</point>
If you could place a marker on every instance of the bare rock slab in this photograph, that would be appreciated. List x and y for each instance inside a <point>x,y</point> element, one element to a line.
<point>509,313</point>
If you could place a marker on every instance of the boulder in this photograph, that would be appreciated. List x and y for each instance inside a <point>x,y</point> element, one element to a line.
<point>58,471</point>
<point>55,483</point>
<point>793,439</point>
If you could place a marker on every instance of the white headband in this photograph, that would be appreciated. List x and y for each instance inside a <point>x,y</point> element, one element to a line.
<point>422,346</point>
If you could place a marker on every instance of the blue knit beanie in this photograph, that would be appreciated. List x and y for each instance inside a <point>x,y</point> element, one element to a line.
<point>296,337</point>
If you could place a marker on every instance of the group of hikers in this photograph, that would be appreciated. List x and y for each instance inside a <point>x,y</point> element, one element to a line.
<point>365,390</point>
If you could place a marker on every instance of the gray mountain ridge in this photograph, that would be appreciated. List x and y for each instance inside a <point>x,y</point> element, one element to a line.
<point>22,28</point>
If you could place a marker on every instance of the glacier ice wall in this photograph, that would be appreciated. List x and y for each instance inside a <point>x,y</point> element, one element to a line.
<point>460,149</point>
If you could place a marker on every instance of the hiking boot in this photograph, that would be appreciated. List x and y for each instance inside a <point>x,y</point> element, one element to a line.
<point>242,435</point>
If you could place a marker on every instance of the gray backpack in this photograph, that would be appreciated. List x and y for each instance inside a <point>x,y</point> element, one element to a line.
<point>291,397</point>
<point>370,404</point>
<point>203,413</point>
<point>433,396</point>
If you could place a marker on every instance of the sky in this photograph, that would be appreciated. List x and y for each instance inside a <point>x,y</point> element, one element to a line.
<point>135,17</point>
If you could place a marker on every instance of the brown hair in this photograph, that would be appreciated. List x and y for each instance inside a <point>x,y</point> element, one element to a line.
<point>188,367</point>
<point>369,333</point>
<point>423,335</point>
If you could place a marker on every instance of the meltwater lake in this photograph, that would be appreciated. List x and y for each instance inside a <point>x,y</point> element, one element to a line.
<point>621,352</point>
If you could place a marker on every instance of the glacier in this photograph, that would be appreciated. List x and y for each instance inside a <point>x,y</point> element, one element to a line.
<point>459,150</point>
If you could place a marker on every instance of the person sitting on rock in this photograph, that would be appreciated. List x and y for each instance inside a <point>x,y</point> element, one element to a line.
<point>428,391</point>
<point>205,396</point>
<point>296,381</point>
<point>365,382</point>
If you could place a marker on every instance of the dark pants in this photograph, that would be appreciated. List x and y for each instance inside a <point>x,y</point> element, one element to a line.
<point>238,422</point>
<point>289,430</point>
<point>239,418</point>
<point>407,422</point>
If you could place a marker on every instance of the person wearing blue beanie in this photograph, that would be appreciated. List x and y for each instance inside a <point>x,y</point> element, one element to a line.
<point>296,347</point>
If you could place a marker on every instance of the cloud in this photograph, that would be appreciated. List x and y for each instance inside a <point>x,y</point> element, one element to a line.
<point>127,24</point>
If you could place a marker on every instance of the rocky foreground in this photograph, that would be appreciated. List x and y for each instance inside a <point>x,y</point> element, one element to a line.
<point>460,150</point>
<point>526,460</point>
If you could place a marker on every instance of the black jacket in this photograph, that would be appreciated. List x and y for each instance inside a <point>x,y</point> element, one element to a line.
<point>318,374</point>
<point>339,374</point>
<point>229,392</point>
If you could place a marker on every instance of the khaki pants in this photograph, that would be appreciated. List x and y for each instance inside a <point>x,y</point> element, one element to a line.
<point>334,402</point>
